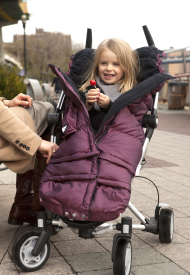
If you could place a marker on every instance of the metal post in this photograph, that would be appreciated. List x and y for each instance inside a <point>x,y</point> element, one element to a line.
<point>24,26</point>
<point>184,62</point>
<point>1,46</point>
<point>24,18</point>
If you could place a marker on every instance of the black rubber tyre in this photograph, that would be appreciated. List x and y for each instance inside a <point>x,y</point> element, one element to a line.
<point>22,248</point>
<point>166,225</point>
<point>123,257</point>
<point>53,229</point>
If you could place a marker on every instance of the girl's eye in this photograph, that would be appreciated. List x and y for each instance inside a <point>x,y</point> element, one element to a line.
<point>116,64</point>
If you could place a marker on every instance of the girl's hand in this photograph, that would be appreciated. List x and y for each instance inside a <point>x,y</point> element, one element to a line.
<point>103,101</point>
<point>19,100</point>
<point>91,98</point>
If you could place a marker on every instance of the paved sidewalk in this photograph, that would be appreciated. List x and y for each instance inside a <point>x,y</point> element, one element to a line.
<point>168,166</point>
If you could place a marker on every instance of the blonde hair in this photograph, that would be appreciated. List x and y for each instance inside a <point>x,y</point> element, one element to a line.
<point>128,60</point>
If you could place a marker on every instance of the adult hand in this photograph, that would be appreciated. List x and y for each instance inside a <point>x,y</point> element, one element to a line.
<point>19,100</point>
<point>91,98</point>
<point>47,149</point>
<point>103,101</point>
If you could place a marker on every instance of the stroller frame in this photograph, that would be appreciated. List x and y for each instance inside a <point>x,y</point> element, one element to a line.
<point>162,223</point>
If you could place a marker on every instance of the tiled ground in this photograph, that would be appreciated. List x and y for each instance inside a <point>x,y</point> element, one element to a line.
<point>168,166</point>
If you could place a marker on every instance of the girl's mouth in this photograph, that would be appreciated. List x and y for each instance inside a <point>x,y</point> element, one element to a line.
<point>109,76</point>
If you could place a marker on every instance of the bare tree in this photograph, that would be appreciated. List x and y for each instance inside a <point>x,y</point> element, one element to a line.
<point>45,48</point>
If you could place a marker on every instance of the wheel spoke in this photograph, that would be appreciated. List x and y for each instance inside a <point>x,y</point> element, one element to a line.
<point>25,257</point>
<point>29,243</point>
<point>37,259</point>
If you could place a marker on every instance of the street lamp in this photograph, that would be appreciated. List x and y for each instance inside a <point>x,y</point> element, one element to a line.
<point>24,18</point>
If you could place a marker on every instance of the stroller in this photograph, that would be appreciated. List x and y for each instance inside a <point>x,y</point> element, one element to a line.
<point>32,249</point>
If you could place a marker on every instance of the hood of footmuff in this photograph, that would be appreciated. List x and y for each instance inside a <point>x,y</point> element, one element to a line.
<point>149,60</point>
<point>80,62</point>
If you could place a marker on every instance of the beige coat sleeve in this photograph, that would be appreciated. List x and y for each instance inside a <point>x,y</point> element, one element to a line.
<point>16,132</point>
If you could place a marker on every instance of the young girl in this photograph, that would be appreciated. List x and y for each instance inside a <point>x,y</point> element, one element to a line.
<point>115,70</point>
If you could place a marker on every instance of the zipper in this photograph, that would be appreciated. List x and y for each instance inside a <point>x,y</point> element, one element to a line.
<point>96,143</point>
<point>102,136</point>
<point>103,130</point>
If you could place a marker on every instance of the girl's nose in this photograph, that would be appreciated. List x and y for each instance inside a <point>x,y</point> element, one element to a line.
<point>109,67</point>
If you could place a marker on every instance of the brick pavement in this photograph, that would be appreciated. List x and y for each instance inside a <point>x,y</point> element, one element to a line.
<point>168,166</point>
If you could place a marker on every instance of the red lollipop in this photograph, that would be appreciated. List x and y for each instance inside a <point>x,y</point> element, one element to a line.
<point>93,83</point>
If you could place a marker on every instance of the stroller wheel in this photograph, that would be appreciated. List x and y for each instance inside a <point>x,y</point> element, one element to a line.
<point>53,229</point>
<point>166,225</point>
<point>22,249</point>
<point>123,257</point>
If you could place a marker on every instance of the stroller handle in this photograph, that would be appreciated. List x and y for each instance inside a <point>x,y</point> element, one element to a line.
<point>148,36</point>
<point>89,39</point>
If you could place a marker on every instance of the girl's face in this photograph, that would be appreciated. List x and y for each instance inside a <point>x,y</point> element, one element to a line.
<point>109,68</point>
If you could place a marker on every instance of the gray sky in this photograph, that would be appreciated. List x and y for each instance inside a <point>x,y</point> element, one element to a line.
<point>167,20</point>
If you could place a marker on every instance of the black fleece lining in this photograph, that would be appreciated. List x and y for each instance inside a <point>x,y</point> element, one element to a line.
<point>125,99</point>
<point>81,61</point>
<point>138,91</point>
